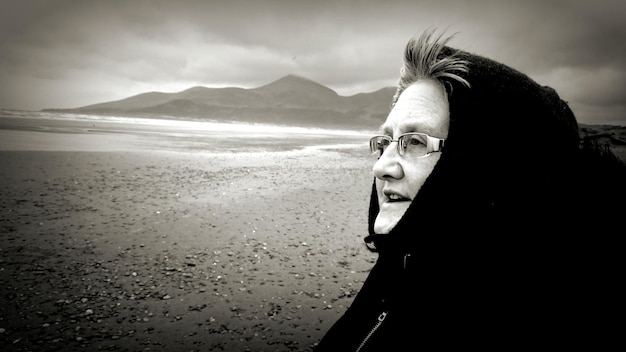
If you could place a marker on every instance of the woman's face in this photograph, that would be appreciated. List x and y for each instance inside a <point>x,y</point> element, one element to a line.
<point>422,107</point>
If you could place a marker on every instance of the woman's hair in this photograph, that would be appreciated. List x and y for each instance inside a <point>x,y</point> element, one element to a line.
<point>423,60</point>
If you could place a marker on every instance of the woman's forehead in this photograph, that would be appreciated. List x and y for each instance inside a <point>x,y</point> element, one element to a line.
<point>422,107</point>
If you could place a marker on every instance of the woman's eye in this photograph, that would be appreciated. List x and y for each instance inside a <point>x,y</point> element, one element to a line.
<point>415,141</point>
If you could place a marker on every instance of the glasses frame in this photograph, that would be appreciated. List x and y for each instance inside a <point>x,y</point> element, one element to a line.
<point>433,144</point>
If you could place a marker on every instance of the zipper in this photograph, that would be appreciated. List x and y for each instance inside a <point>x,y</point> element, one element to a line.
<point>406,260</point>
<point>381,318</point>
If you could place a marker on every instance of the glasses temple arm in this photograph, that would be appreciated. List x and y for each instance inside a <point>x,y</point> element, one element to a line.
<point>435,144</point>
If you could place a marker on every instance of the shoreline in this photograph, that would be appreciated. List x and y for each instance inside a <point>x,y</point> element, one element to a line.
<point>38,134</point>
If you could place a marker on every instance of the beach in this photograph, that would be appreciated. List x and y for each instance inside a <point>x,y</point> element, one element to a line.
<point>131,239</point>
<point>122,234</point>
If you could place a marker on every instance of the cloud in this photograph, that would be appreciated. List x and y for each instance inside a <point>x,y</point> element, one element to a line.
<point>85,52</point>
<point>594,94</point>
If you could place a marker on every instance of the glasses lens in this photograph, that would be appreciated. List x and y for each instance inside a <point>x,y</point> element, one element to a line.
<point>378,145</point>
<point>414,144</point>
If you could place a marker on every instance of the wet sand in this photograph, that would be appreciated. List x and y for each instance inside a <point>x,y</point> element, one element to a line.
<point>154,250</point>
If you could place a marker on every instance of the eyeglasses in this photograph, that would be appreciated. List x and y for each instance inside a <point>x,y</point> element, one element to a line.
<point>416,145</point>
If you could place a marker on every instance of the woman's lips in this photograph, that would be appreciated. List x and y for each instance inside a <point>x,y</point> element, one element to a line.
<point>394,197</point>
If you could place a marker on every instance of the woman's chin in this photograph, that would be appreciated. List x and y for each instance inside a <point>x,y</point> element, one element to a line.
<point>383,225</point>
<point>389,215</point>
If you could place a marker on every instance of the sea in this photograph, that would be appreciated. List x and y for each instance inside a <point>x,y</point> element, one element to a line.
<point>22,130</point>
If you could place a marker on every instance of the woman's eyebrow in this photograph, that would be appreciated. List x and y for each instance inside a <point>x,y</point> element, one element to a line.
<point>409,127</point>
<point>419,127</point>
<point>403,128</point>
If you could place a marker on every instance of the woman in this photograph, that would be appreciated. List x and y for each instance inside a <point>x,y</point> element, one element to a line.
<point>491,222</point>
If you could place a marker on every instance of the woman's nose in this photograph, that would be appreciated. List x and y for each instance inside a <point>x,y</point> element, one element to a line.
<point>388,165</point>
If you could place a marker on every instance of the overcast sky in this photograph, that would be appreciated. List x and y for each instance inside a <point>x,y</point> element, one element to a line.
<point>67,54</point>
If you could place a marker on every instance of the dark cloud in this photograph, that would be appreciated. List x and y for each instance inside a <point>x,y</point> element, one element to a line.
<point>73,53</point>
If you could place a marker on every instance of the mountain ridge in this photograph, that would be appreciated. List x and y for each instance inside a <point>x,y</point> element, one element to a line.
<point>290,100</point>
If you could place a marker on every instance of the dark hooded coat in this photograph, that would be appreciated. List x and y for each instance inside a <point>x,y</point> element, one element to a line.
<point>512,242</point>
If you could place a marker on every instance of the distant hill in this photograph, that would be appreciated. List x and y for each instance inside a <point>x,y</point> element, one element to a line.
<point>291,100</point>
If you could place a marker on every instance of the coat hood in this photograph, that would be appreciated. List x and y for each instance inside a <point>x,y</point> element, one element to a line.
<point>505,163</point>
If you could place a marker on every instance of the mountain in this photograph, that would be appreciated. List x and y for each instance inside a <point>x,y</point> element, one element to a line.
<point>291,100</point>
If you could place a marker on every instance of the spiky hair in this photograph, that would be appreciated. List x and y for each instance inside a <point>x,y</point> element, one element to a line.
<point>423,59</point>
